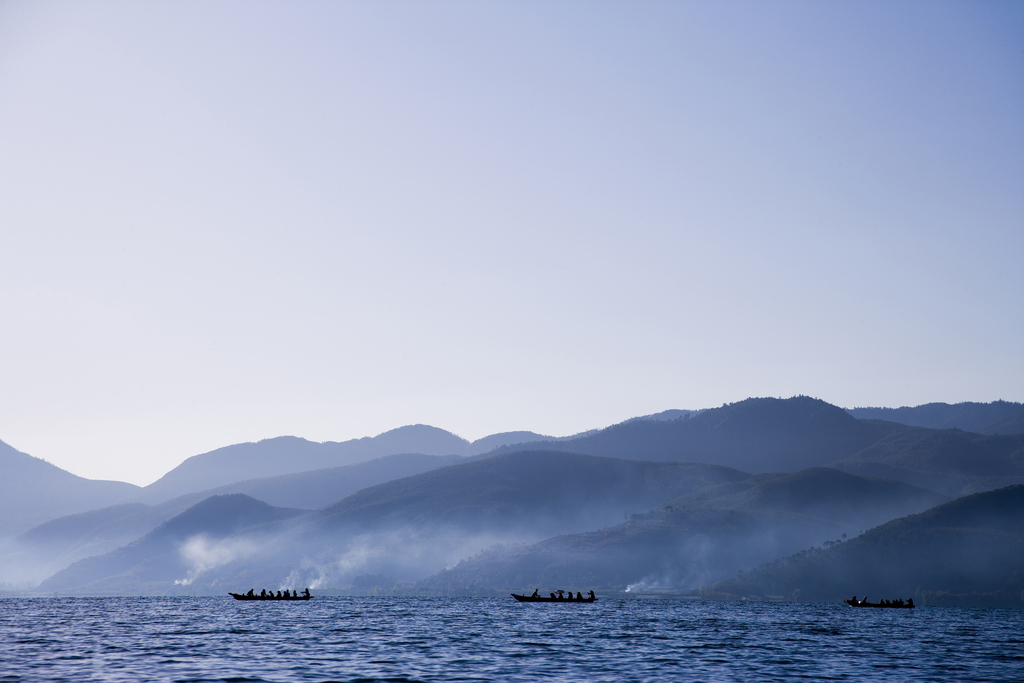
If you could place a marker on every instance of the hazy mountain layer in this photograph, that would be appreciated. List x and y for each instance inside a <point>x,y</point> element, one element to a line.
<point>714,531</point>
<point>319,488</point>
<point>788,435</point>
<point>413,527</point>
<point>1011,424</point>
<point>969,551</point>
<point>33,491</point>
<point>58,543</point>
<point>176,551</point>
<point>408,528</point>
<point>543,491</point>
<point>756,435</point>
<point>859,502</point>
<point>669,548</point>
<point>289,455</point>
<point>949,461</point>
<point>982,418</point>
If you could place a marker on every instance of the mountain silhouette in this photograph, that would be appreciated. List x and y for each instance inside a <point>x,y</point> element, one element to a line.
<point>860,502</point>
<point>1011,424</point>
<point>755,435</point>
<point>982,418</point>
<point>541,490</point>
<point>969,551</point>
<point>55,544</point>
<point>949,461</point>
<point>410,527</point>
<point>711,532</point>
<point>33,491</point>
<point>162,557</point>
<point>286,455</point>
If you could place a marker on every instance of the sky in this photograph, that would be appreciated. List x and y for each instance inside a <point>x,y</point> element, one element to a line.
<point>228,221</point>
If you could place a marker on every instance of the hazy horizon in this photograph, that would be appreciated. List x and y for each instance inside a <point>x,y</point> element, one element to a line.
<point>230,221</point>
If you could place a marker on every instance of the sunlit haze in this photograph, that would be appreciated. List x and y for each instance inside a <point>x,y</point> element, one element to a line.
<point>227,221</point>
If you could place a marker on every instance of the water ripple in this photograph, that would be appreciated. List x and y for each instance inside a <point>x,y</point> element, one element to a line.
<point>381,639</point>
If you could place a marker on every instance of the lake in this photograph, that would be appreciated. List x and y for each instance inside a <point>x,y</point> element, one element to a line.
<point>466,639</point>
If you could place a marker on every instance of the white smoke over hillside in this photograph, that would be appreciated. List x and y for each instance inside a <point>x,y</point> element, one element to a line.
<point>202,554</point>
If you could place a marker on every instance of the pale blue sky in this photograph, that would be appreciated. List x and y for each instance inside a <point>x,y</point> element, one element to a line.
<point>228,221</point>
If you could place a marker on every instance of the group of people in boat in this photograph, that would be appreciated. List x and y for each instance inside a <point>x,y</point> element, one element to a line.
<point>558,595</point>
<point>885,603</point>
<point>270,594</point>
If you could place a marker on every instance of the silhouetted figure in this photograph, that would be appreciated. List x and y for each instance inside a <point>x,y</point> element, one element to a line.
<point>591,595</point>
<point>854,599</point>
<point>263,593</point>
<point>579,596</point>
<point>536,593</point>
<point>306,592</point>
<point>278,593</point>
<point>250,593</point>
<point>910,602</point>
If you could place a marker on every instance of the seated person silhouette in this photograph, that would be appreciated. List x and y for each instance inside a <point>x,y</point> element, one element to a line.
<point>536,593</point>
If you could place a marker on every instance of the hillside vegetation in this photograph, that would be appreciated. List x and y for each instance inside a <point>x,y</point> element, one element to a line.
<point>982,418</point>
<point>969,551</point>
<point>684,543</point>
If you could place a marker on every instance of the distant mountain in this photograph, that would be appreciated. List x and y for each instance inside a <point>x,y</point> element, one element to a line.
<point>489,443</point>
<point>755,435</point>
<point>678,546</point>
<point>860,502</point>
<point>33,491</point>
<point>787,435</point>
<point>542,491</point>
<point>50,547</point>
<point>673,414</point>
<point>46,549</point>
<point>319,488</point>
<point>1011,424</point>
<point>290,455</point>
<point>949,461</point>
<point>969,551</point>
<point>970,417</point>
<point>406,528</point>
<point>171,554</point>
<point>670,548</point>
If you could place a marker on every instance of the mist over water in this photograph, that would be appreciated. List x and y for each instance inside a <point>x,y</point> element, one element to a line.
<point>442,639</point>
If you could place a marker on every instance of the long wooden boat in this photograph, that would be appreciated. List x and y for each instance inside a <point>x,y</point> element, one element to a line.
<point>242,596</point>
<point>530,598</point>
<point>861,603</point>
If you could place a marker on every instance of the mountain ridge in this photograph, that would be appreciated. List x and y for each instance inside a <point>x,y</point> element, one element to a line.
<point>969,551</point>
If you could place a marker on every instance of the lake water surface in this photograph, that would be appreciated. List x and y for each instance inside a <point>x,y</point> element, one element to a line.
<point>465,639</point>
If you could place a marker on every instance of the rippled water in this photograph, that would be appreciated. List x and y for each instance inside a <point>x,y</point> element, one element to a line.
<point>376,639</point>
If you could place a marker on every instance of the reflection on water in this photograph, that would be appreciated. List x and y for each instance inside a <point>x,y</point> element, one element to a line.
<point>437,639</point>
